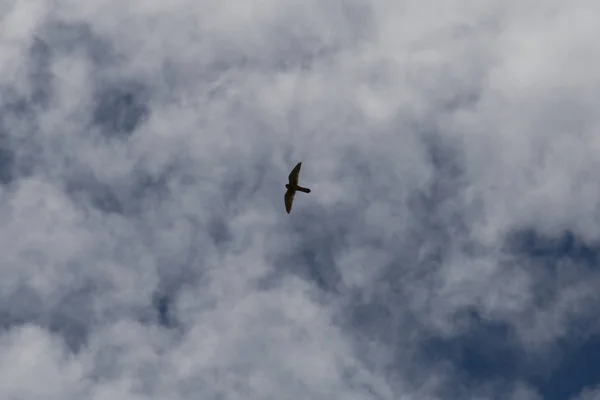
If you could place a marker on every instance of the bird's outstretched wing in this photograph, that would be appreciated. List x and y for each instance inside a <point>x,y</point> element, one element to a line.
<point>289,199</point>
<point>293,178</point>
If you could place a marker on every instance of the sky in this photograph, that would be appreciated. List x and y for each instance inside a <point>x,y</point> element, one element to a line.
<point>448,249</point>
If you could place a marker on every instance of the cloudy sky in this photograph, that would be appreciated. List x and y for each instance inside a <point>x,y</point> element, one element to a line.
<point>449,248</point>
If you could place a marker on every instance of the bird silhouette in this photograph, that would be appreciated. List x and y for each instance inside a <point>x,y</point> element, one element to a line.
<point>292,187</point>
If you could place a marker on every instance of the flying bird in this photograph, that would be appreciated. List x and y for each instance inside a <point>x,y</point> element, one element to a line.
<point>292,187</point>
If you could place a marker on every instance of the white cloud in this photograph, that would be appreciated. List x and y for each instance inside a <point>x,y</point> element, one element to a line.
<point>428,133</point>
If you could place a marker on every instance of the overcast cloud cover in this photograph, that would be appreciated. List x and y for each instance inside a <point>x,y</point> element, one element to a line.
<point>448,249</point>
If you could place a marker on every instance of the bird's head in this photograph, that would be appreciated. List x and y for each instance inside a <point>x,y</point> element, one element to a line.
<point>287,186</point>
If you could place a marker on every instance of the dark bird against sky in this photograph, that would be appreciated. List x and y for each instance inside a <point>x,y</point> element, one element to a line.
<point>292,187</point>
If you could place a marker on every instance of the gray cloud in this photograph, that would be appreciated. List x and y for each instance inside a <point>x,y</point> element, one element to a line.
<point>143,153</point>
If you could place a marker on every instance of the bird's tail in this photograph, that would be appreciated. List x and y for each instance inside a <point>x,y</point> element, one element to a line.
<point>303,189</point>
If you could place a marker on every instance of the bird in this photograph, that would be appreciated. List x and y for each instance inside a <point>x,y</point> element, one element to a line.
<point>292,187</point>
